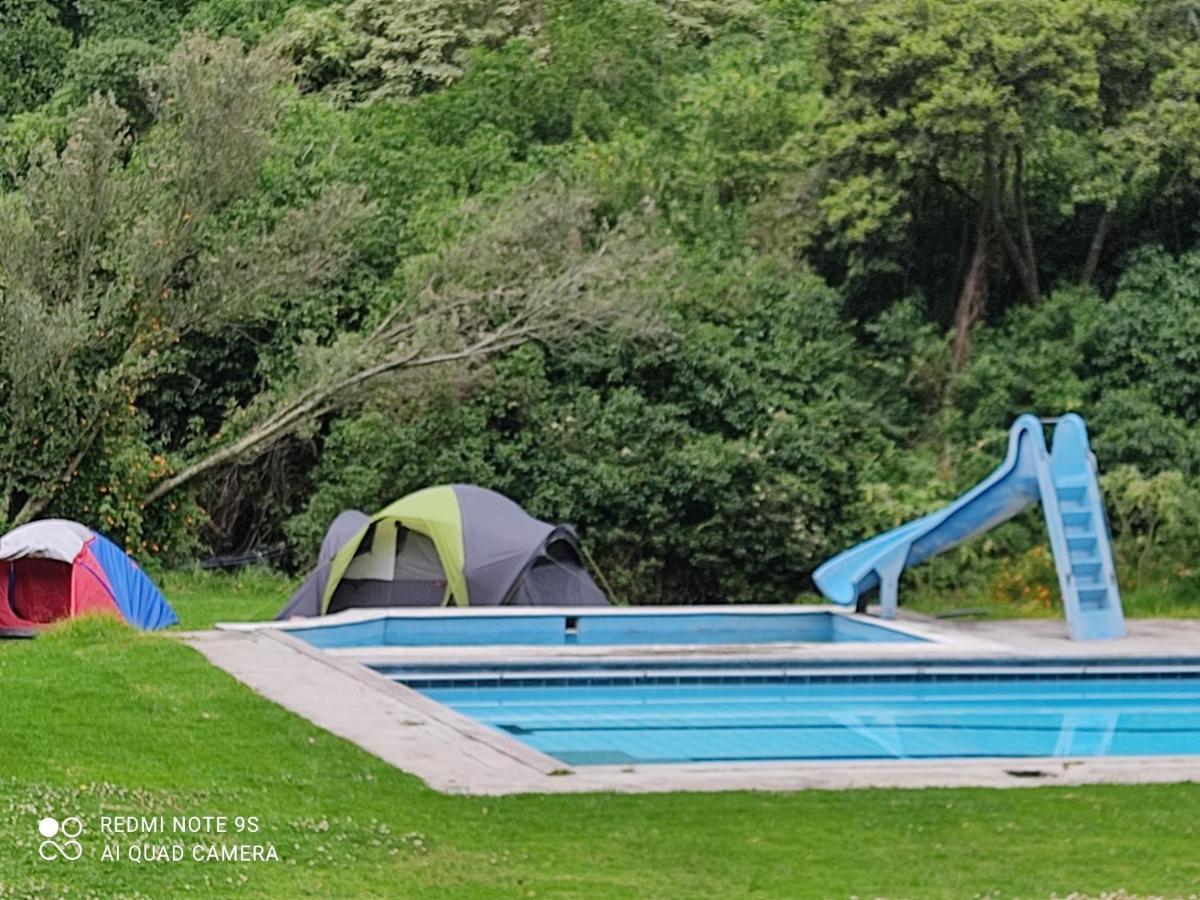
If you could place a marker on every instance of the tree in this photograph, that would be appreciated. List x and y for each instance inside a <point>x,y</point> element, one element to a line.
<point>111,252</point>
<point>964,105</point>
<point>33,47</point>
<point>1145,157</point>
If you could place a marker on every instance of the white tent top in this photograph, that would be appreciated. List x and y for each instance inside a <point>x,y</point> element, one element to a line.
<point>58,539</point>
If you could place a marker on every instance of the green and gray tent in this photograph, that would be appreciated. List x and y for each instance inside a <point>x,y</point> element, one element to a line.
<point>452,545</point>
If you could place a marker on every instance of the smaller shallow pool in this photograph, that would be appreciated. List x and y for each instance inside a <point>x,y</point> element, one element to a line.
<point>610,627</point>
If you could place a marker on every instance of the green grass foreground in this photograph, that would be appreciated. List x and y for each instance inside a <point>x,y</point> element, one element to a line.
<point>99,720</point>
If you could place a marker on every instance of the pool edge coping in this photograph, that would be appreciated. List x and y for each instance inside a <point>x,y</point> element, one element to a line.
<point>415,700</point>
<point>455,754</point>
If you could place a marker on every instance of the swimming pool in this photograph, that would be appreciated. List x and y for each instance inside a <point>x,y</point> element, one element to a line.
<point>620,626</point>
<point>665,713</point>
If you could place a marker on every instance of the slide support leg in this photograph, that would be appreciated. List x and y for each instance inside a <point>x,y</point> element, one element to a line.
<point>889,570</point>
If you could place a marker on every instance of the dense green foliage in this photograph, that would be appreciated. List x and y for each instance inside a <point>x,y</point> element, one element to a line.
<point>726,284</point>
<point>179,737</point>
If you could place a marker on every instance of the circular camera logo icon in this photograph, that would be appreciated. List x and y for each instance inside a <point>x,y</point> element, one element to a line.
<point>69,829</point>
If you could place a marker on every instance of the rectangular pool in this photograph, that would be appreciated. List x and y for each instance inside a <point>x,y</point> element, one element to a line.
<point>743,714</point>
<point>427,628</point>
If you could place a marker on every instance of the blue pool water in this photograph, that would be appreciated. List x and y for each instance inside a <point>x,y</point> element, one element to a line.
<point>597,628</point>
<point>620,717</point>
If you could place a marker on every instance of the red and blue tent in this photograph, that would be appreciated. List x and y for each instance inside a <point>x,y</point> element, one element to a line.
<point>55,569</point>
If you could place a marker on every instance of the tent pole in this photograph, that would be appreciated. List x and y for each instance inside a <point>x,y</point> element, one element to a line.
<point>587,557</point>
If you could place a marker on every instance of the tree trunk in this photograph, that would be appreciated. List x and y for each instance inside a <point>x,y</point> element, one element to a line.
<point>973,296</point>
<point>1093,258</point>
<point>1029,276</point>
<point>1021,256</point>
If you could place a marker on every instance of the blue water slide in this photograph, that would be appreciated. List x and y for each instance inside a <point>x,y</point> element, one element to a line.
<point>1064,481</point>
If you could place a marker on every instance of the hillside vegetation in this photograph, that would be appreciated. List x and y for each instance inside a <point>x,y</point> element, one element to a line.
<point>729,284</point>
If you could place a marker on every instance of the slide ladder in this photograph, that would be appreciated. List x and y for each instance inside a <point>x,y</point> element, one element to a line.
<point>1086,573</point>
<point>1064,481</point>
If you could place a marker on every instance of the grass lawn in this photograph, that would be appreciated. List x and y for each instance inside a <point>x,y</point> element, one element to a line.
<point>98,720</point>
<point>248,595</point>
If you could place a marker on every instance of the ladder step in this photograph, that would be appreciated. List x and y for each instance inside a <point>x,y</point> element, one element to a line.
<point>1071,490</point>
<point>1087,571</point>
<point>1084,545</point>
<point>1077,521</point>
<point>1071,483</point>
<point>1097,598</point>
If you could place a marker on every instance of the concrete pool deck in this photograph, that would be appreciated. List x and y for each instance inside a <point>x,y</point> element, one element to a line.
<point>455,754</point>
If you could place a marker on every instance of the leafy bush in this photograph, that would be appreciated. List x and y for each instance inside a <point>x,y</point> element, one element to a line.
<point>1149,331</point>
<point>1029,584</point>
<point>1130,364</point>
<point>1155,521</point>
<point>1127,363</point>
<point>151,21</point>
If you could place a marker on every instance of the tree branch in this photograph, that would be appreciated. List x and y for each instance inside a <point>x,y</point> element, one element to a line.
<point>319,401</point>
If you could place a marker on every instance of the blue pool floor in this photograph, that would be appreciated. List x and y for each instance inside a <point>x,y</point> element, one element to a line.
<point>696,720</point>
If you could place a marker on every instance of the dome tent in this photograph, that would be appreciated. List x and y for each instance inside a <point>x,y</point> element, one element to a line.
<point>54,569</point>
<point>451,545</point>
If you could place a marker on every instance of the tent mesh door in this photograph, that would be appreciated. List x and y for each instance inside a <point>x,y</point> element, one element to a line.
<point>418,579</point>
